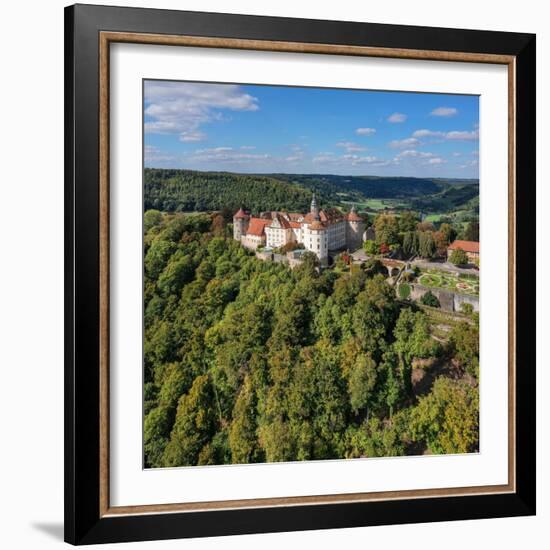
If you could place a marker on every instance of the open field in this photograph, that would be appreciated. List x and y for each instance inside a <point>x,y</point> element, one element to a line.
<point>378,204</point>
<point>434,218</point>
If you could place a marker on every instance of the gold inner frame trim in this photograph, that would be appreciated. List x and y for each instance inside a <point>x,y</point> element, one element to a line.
<point>105,39</point>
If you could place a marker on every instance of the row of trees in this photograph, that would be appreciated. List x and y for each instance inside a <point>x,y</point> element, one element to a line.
<point>247,361</point>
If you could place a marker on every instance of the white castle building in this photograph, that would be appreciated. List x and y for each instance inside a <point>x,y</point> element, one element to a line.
<point>320,231</point>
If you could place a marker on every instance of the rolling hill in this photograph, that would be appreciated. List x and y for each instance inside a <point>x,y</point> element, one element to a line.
<point>188,190</point>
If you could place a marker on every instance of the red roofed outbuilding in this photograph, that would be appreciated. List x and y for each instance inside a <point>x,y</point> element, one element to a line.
<point>470,247</point>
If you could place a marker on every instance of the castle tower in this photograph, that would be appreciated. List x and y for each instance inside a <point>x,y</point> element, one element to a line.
<point>240,224</point>
<point>316,240</point>
<point>314,209</point>
<point>355,227</point>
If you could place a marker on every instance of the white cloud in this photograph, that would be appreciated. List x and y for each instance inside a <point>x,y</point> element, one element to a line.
<point>356,159</point>
<point>323,158</point>
<point>365,131</point>
<point>154,154</point>
<point>418,158</point>
<point>192,136</point>
<point>462,135</point>
<point>183,107</point>
<point>427,133</point>
<point>227,155</point>
<point>350,146</point>
<point>456,154</point>
<point>349,160</point>
<point>469,164</point>
<point>397,117</point>
<point>213,150</point>
<point>247,147</point>
<point>444,111</point>
<point>454,135</point>
<point>404,143</point>
<point>412,153</point>
<point>296,155</point>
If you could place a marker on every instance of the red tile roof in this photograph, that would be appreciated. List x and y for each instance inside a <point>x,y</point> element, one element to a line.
<point>241,214</point>
<point>317,225</point>
<point>467,246</point>
<point>295,225</point>
<point>353,217</point>
<point>257,226</point>
<point>294,216</point>
<point>331,215</point>
<point>285,224</point>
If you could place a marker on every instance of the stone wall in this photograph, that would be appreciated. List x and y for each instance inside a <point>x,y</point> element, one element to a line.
<point>450,301</point>
<point>265,256</point>
<point>251,242</point>
<point>466,299</point>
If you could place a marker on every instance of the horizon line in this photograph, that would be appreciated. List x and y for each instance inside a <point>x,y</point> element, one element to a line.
<point>306,174</point>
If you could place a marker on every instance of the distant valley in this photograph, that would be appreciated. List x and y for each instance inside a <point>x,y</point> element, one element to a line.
<point>437,199</point>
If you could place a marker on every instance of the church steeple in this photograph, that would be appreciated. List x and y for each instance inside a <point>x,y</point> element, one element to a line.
<point>314,209</point>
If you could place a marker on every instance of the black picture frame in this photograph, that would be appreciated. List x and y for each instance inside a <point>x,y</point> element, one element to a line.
<point>83,521</point>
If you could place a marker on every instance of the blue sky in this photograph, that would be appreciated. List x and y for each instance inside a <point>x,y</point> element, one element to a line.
<point>250,128</point>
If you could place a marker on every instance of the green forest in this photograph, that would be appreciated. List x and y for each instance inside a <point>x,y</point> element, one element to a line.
<point>247,361</point>
<point>188,191</point>
<point>171,190</point>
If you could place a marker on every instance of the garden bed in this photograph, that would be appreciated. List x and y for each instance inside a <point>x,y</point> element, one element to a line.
<point>463,284</point>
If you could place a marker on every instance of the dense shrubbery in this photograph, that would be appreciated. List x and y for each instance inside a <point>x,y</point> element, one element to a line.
<point>458,257</point>
<point>247,361</point>
<point>430,299</point>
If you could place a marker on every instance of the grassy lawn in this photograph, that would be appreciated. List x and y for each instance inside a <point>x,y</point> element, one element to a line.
<point>369,204</point>
<point>463,284</point>
<point>378,204</point>
<point>404,291</point>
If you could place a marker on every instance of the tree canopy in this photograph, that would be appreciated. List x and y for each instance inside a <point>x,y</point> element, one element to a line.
<point>458,257</point>
<point>248,361</point>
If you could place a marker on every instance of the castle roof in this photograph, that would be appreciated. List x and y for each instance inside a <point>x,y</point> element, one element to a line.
<point>295,216</point>
<point>317,225</point>
<point>257,226</point>
<point>327,217</point>
<point>241,214</point>
<point>352,215</point>
<point>467,246</point>
<point>285,224</point>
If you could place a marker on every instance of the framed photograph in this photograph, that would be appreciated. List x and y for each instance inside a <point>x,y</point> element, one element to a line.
<point>300,278</point>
